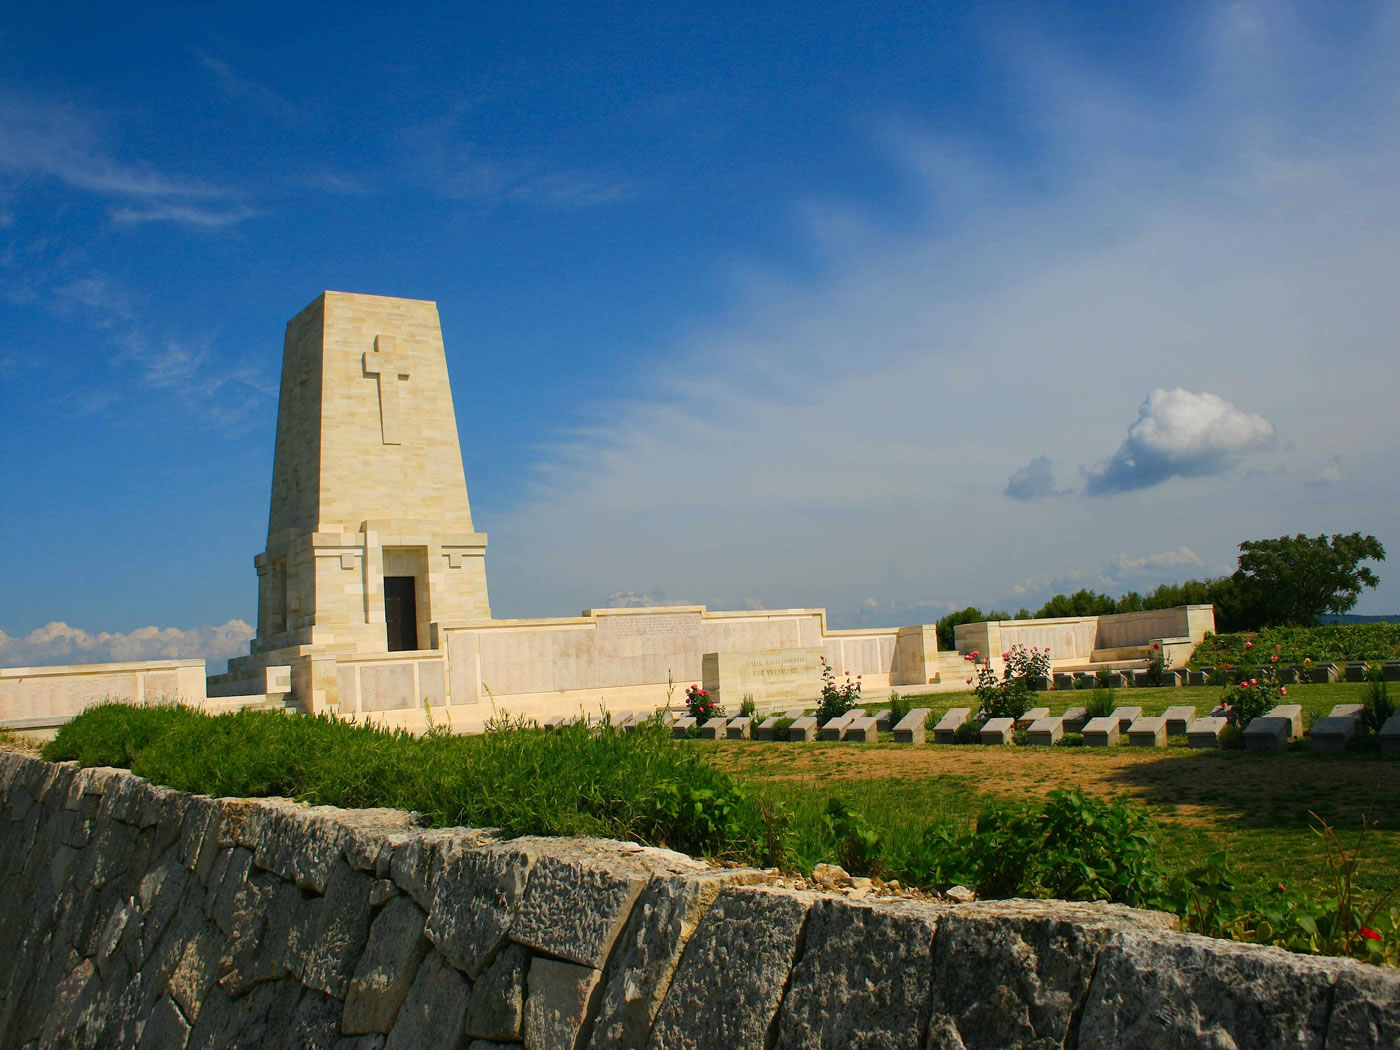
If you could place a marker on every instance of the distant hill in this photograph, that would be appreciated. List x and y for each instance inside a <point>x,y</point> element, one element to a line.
<point>1353,618</point>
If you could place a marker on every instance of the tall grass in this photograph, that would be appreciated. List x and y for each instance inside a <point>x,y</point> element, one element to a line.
<point>572,781</point>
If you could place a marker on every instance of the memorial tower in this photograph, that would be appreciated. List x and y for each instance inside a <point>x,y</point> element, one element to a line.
<point>369,537</point>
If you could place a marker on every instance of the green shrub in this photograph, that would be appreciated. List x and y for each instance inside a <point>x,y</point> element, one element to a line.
<point>1334,643</point>
<point>858,845</point>
<point>899,707</point>
<point>747,707</point>
<point>836,699</point>
<point>1232,737</point>
<point>970,732</point>
<point>1077,848</point>
<point>1072,740</point>
<point>573,781</point>
<point>781,727</point>
<point>1104,678</point>
<point>1101,702</point>
<point>1379,706</point>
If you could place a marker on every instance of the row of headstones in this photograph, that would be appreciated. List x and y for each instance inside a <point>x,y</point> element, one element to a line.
<point>1270,731</point>
<point>1319,674</point>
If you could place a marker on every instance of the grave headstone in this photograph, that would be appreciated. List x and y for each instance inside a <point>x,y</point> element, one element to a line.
<point>1102,732</point>
<point>1198,677</point>
<point>946,729</point>
<point>1046,732</point>
<point>1030,716</point>
<point>1390,671</point>
<point>740,728</point>
<point>1064,680</point>
<point>884,719</point>
<point>1075,717</point>
<point>998,731</point>
<point>1148,731</point>
<point>554,722</point>
<point>1356,712</point>
<point>1294,714</point>
<point>1179,718</point>
<point>680,728</point>
<point>833,728</point>
<point>910,729</point>
<point>1323,674</point>
<point>1268,733</point>
<point>1205,732</point>
<point>1140,679</point>
<point>1125,716</point>
<point>767,727</point>
<point>1085,680</point>
<point>714,728</point>
<point>1119,680</point>
<point>1288,675</point>
<point>1356,671</point>
<point>803,729</point>
<point>864,730</point>
<point>1039,683</point>
<point>1390,735</point>
<point>1331,734</point>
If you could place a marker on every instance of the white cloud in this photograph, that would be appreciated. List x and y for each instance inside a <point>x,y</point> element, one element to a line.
<point>1123,573</point>
<point>238,86</point>
<point>1180,434</point>
<point>58,643</point>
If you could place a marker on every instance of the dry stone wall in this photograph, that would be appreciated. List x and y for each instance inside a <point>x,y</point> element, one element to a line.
<point>136,916</point>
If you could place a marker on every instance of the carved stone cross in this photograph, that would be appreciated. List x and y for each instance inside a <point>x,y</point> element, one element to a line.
<point>387,366</point>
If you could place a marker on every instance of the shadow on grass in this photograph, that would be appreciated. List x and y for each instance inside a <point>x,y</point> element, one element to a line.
<point>1276,790</point>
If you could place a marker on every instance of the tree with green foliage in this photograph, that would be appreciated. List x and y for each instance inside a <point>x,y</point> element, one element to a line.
<point>1294,580</point>
<point>1082,602</point>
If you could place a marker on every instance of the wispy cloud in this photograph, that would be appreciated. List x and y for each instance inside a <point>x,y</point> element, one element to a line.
<point>1228,244</point>
<point>441,154</point>
<point>50,139</point>
<point>59,643</point>
<point>235,85</point>
<point>1123,573</point>
<point>228,392</point>
<point>1180,434</point>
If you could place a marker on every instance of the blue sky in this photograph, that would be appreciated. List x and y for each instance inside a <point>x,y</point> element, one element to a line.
<point>885,308</point>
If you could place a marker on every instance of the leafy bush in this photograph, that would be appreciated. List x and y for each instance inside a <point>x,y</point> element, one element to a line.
<point>899,707</point>
<point>836,699</point>
<point>781,727</point>
<point>1210,902</point>
<point>1379,706</point>
<point>970,732</point>
<point>1251,697</point>
<point>573,781</point>
<point>1104,678</point>
<point>1009,695</point>
<point>700,705</point>
<point>747,707</point>
<point>858,845</point>
<point>1077,848</point>
<point>1101,702</point>
<point>1157,665</point>
<point>1327,643</point>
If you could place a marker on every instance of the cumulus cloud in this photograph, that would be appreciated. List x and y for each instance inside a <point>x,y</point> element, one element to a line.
<point>1179,433</point>
<point>59,643</point>
<point>1036,480</point>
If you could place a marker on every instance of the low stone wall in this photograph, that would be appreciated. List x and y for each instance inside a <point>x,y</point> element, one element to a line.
<point>1076,640</point>
<point>136,916</point>
<point>43,697</point>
